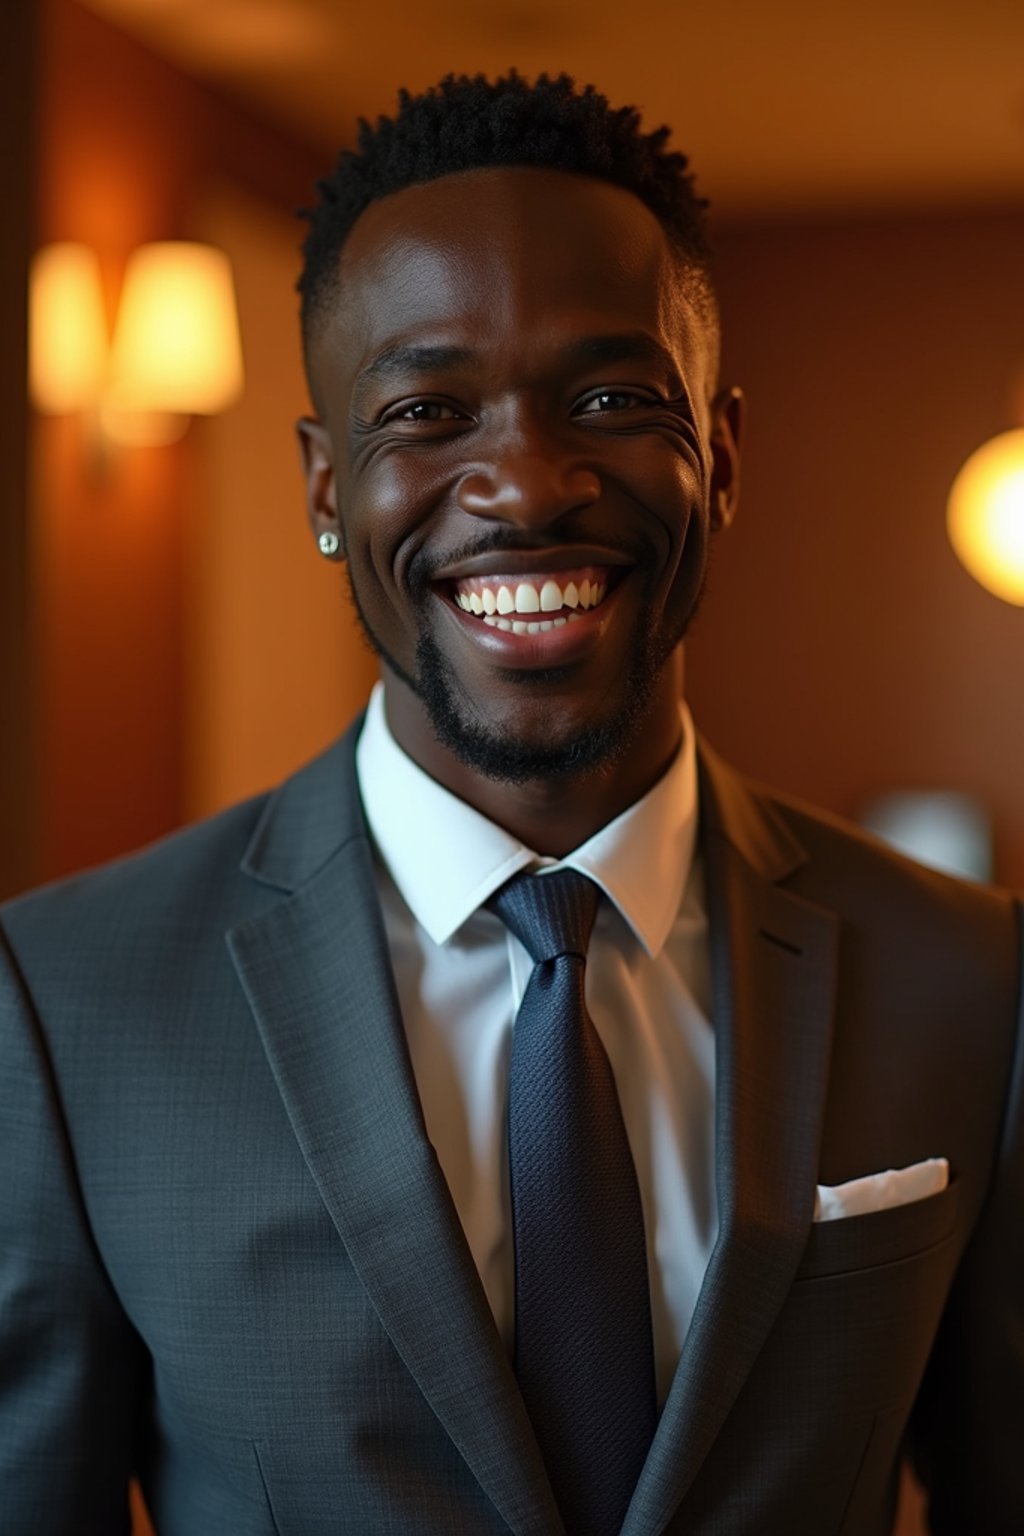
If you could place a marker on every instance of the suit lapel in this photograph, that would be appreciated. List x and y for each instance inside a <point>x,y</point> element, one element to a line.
<point>317,975</point>
<point>773,961</point>
<point>316,971</point>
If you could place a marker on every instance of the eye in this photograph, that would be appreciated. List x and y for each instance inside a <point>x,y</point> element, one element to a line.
<point>428,411</point>
<point>611,400</point>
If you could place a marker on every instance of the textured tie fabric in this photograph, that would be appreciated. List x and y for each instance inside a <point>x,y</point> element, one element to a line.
<point>584,1355</point>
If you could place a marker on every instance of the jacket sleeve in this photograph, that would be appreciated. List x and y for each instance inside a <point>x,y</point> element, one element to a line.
<point>967,1431</point>
<point>71,1365</point>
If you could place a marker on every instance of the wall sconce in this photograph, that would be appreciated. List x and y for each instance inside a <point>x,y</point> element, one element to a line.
<point>176,350</point>
<point>985,515</point>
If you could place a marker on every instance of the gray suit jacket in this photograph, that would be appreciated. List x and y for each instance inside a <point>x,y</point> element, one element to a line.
<point>229,1261</point>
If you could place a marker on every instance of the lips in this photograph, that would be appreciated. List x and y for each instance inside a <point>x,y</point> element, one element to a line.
<point>524,636</point>
<point>533,608</point>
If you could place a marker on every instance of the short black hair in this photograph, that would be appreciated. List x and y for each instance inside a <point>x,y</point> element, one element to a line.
<point>468,123</point>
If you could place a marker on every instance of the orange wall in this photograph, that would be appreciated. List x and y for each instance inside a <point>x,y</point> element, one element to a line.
<point>18,26</point>
<point>842,650</point>
<point>127,145</point>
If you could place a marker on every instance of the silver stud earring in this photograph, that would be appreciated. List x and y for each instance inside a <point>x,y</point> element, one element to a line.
<point>329,543</point>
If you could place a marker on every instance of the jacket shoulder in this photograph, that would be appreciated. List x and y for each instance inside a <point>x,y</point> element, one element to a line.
<point>827,835</point>
<point>189,880</point>
<point>899,905</point>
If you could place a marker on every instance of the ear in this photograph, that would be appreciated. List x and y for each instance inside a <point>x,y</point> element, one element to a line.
<point>321,487</point>
<point>728,417</point>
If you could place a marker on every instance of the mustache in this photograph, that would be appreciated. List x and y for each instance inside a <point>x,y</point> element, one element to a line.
<point>425,564</point>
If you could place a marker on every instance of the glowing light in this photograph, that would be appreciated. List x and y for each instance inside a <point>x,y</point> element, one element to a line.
<point>141,429</point>
<point>67,329</point>
<point>176,350</point>
<point>985,517</point>
<point>176,347</point>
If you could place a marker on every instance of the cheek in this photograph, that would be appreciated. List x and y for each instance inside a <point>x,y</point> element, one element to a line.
<point>681,529</point>
<point>386,511</point>
<point>690,563</point>
<point>676,501</point>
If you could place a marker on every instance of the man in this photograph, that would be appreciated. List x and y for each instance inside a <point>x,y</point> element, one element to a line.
<point>518,1122</point>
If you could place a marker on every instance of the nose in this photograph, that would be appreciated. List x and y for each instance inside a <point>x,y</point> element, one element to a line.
<point>530,490</point>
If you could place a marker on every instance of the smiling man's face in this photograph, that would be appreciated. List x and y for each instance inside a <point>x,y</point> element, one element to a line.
<point>519,443</point>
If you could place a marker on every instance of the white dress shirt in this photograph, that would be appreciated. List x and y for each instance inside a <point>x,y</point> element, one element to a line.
<point>461,975</point>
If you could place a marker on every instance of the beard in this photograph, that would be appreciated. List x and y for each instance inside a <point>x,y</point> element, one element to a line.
<point>489,750</point>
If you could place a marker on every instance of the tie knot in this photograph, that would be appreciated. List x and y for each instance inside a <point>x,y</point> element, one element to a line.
<point>550,915</point>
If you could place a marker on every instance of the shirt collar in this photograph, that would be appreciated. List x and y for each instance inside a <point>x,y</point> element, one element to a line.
<point>447,859</point>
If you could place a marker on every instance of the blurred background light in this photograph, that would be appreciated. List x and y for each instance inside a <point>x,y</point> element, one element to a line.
<point>68,330</point>
<point>986,515</point>
<point>943,829</point>
<point>177,346</point>
<point>176,351</point>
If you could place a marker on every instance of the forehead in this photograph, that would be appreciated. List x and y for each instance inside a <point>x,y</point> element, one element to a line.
<point>506,257</point>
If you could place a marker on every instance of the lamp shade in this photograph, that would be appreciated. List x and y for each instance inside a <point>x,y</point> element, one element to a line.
<point>67,328</point>
<point>986,515</point>
<point>176,346</point>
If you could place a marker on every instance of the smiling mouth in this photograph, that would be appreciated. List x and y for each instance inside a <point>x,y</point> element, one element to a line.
<point>530,604</point>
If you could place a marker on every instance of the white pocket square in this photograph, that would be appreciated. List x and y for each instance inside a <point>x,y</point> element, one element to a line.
<point>879,1191</point>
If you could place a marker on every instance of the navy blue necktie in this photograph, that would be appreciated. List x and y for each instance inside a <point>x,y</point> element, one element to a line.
<point>584,1356</point>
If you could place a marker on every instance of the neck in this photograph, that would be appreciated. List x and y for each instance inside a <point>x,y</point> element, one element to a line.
<point>551,816</point>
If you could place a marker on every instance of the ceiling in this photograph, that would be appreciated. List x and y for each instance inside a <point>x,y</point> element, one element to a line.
<point>794,107</point>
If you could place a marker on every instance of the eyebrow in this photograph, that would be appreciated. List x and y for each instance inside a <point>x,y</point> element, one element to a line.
<point>403,359</point>
<point>411,358</point>
<point>621,347</point>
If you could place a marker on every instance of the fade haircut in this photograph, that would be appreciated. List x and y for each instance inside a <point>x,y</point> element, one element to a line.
<point>469,123</point>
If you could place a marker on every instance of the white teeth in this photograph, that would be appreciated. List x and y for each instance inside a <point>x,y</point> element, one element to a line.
<point>526,598</point>
<point>522,627</point>
<point>550,597</point>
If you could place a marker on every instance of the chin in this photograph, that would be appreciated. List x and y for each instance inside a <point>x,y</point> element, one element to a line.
<point>523,747</point>
<point>508,760</point>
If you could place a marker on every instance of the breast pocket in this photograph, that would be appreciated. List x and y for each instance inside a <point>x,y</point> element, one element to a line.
<point>861,1317</point>
<point>817,1426</point>
<point>879,1237</point>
